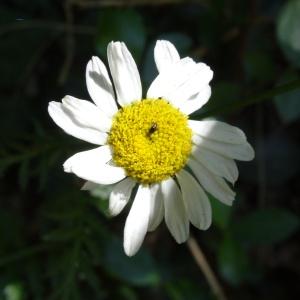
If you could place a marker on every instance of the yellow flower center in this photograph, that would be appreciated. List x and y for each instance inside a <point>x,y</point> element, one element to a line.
<point>150,139</point>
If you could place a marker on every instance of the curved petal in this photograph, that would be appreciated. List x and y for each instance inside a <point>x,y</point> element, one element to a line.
<point>175,213</point>
<point>86,113</point>
<point>180,81</point>
<point>170,78</point>
<point>216,163</point>
<point>218,131</point>
<point>213,184</point>
<point>195,102</point>
<point>93,165</point>
<point>165,54</point>
<point>120,195</point>
<point>89,186</point>
<point>235,151</point>
<point>124,73</point>
<point>157,208</point>
<point>100,87</point>
<point>197,204</point>
<point>64,120</point>
<point>137,221</point>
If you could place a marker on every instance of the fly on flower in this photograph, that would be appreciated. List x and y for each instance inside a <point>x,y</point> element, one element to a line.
<point>151,143</point>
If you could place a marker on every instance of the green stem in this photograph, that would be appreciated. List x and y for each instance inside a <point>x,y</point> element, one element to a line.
<point>44,25</point>
<point>259,98</point>
<point>206,269</point>
<point>27,252</point>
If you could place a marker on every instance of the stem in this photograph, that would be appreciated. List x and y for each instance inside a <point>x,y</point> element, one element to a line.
<point>203,264</point>
<point>261,167</point>
<point>121,3</point>
<point>44,25</point>
<point>70,43</point>
<point>256,99</point>
<point>30,251</point>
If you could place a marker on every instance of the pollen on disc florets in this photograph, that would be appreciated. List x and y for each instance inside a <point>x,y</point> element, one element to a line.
<point>150,139</point>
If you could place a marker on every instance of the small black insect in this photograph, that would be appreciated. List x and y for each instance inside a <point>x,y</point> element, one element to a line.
<point>152,129</point>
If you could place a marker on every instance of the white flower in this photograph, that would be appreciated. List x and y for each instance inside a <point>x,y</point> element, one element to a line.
<point>145,144</point>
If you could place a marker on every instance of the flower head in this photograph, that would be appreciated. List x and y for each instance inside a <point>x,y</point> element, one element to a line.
<point>151,144</point>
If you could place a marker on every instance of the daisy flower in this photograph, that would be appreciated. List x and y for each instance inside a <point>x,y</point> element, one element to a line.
<point>147,147</point>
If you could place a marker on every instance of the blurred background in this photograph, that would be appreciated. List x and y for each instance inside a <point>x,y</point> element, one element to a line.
<point>57,242</point>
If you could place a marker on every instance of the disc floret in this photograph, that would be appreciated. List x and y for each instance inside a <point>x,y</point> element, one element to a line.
<point>150,139</point>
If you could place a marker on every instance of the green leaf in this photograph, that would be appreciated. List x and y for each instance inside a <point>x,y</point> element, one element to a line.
<point>14,291</point>
<point>266,226</point>
<point>185,289</point>
<point>121,25</point>
<point>259,66</point>
<point>288,104</point>
<point>280,155</point>
<point>14,237</point>
<point>94,250</point>
<point>233,261</point>
<point>182,42</point>
<point>62,234</point>
<point>34,271</point>
<point>100,196</point>
<point>224,94</point>
<point>14,66</point>
<point>88,274</point>
<point>24,174</point>
<point>288,31</point>
<point>221,213</point>
<point>68,288</point>
<point>127,293</point>
<point>138,270</point>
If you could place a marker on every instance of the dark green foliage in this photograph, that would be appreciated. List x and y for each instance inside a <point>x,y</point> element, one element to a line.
<point>287,104</point>
<point>288,31</point>
<point>58,242</point>
<point>121,25</point>
<point>233,261</point>
<point>265,227</point>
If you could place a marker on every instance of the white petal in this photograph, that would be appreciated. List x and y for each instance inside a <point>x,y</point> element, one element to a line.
<point>213,184</point>
<point>195,102</point>
<point>63,119</point>
<point>137,221</point>
<point>101,191</point>
<point>235,151</point>
<point>100,87</point>
<point>197,204</point>
<point>120,195</point>
<point>218,131</point>
<point>93,165</point>
<point>124,73</point>
<point>89,186</point>
<point>170,78</point>
<point>165,54</point>
<point>157,207</point>
<point>175,212</point>
<point>87,114</point>
<point>180,81</point>
<point>217,164</point>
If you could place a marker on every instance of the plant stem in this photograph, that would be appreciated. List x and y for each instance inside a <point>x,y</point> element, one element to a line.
<point>70,42</point>
<point>206,269</point>
<point>27,252</point>
<point>44,25</point>
<point>121,3</point>
<point>241,104</point>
